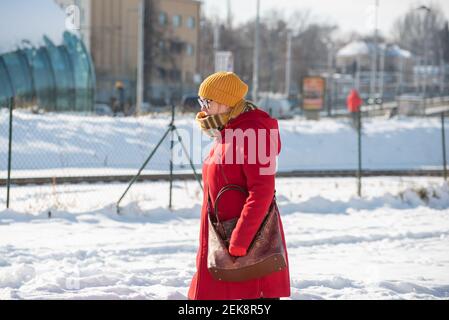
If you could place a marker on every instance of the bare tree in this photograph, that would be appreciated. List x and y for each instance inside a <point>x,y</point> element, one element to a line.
<point>311,50</point>
<point>445,42</point>
<point>310,45</point>
<point>420,29</point>
<point>206,47</point>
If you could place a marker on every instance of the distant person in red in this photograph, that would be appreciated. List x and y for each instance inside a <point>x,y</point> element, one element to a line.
<point>354,102</point>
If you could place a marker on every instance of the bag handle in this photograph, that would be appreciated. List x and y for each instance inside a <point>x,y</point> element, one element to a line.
<point>228,187</point>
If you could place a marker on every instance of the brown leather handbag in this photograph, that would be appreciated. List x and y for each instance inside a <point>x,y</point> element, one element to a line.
<point>266,253</point>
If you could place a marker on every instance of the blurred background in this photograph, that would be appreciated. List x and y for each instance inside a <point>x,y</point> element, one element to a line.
<point>91,91</point>
<point>390,52</point>
<point>90,83</point>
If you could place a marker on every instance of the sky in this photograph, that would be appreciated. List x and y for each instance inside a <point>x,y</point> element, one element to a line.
<point>30,19</point>
<point>350,15</point>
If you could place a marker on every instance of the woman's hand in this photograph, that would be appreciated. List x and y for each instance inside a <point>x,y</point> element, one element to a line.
<point>237,251</point>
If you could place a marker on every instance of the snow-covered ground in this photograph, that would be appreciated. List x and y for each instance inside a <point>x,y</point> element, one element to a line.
<point>391,244</point>
<point>74,145</point>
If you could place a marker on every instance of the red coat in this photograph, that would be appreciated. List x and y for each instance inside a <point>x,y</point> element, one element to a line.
<point>354,101</point>
<point>250,212</point>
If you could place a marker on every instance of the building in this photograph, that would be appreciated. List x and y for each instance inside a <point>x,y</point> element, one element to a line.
<point>110,30</point>
<point>178,63</point>
<point>393,73</point>
<point>362,52</point>
<point>51,77</point>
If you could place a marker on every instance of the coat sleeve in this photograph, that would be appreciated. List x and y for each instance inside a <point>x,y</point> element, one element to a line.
<point>260,186</point>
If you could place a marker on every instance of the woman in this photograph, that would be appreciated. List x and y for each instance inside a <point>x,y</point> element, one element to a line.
<point>224,112</point>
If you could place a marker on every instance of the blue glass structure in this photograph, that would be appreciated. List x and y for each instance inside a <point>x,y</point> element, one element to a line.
<point>55,78</point>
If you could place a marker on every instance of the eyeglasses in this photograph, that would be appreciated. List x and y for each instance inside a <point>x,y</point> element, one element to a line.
<point>204,103</point>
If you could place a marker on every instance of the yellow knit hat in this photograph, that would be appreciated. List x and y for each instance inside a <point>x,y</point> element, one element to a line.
<point>223,87</point>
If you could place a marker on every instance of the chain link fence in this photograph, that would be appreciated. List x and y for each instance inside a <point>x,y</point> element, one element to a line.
<point>51,147</point>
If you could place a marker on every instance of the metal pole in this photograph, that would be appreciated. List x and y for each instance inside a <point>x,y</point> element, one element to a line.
<point>229,15</point>
<point>216,45</point>
<point>172,128</point>
<point>288,64</point>
<point>11,106</point>
<point>142,167</point>
<point>401,75</point>
<point>256,56</point>
<point>441,74</point>
<point>330,77</point>
<point>443,136</point>
<point>424,68</point>
<point>382,74</point>
<point>140,57</point>
<point>374,54</point>
<point>216,37</point>
<point>359,138</point>
<point>357,74</point>
<point>426,59</point>
<point>190,160</point>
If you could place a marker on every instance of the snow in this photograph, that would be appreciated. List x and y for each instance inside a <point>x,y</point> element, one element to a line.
<point>73,145</point>
<point>390,244</point>
<point>396,51</point>
<point>67,241</point>
<point>357,48</point>
<point>353,49</point>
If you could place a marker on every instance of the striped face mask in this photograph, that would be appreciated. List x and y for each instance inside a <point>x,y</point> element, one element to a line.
<point>213,124</point>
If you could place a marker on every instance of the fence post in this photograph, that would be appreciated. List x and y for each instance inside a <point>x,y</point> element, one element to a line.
<point>443,140</point>
<point>172,129</point>
<point>8,183</point>
<point>359,138</point>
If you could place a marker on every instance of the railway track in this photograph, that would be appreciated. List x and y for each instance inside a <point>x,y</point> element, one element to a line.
<point>166,177</point>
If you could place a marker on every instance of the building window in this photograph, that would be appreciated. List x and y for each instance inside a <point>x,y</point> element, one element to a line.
<point>162,73</point>
<point>162,18</point>
<point>191,22</point>
<point>190,49</point>
<point>189,76</point>
<point>175,75</point>
<point>176,47</point>
<point>177,21</point>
